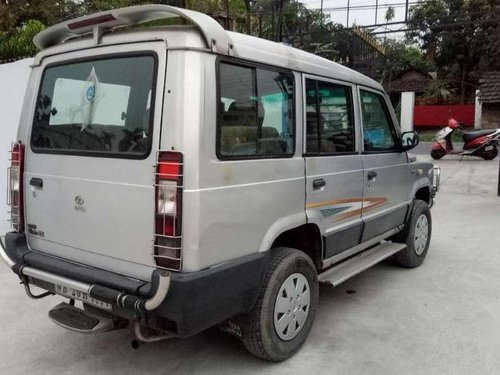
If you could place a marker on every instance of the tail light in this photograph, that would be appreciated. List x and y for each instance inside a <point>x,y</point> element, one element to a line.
<point>168,219</point>
<point>15,198</point>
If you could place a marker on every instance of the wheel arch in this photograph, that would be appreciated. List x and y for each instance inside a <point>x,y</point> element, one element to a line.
<point>306,238</point>
<point>423,194</point>
<point>422,190</point>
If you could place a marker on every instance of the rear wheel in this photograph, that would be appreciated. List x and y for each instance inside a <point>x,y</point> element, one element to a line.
<point>416,235</point>
<point>438,154</point>
<point>283,315</point>
<point>489,154</point>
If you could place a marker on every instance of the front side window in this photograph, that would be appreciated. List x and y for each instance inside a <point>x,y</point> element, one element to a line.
<point>378,131</point>
<point>99,107</point>
<point>329,118</point>
<point>256,112</point>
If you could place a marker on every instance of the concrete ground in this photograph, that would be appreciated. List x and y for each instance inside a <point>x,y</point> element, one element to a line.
<point>442,318</point>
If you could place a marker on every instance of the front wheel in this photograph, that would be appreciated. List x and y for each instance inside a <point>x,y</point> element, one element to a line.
<point>489,154</point>
<point>283,315</point>
<point>438,154</point>
<point>416,235</point>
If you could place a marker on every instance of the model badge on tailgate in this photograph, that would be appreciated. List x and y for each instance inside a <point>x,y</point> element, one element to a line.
<point>80,204</point>
<point>32,229</point>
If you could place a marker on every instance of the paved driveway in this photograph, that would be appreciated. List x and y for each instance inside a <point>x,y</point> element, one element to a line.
<point>442,318</point>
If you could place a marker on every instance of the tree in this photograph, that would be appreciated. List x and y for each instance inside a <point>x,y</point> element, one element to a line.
<point>462,37</point>
<point>21,20</point>
<point>399,58</point>
<point>389,14</point>
<point>16,13</point>
<point>282,20</point>
<point>19,42</point>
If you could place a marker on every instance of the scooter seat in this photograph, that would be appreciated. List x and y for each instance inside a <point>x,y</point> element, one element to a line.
<point>476,134</point>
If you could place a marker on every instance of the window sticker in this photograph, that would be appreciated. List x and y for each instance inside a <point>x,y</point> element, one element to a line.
<point>376,136</point>
<point>89,102</point>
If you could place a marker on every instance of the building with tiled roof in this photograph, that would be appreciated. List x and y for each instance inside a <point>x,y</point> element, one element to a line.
<point>489,96</point>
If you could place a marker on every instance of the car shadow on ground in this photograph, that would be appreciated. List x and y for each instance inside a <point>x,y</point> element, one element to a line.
<point>213,351</point>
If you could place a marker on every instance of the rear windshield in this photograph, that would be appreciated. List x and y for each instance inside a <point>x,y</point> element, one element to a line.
<point>101,107</point>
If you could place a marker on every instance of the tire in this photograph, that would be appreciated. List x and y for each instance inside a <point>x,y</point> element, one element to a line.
<point>258,332</point>
<point>417,242</point>
<point>490,154</point>
<point>438,154</point>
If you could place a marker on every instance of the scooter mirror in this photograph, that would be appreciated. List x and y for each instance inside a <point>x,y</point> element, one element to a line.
<point>409,140</point>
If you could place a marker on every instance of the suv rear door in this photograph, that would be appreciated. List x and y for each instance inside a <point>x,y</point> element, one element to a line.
<point>386,192</point>
<point>334,174</point>
<point>89,178</point>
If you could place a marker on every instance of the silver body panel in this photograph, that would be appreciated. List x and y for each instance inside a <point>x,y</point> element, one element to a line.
<point>230,208</point>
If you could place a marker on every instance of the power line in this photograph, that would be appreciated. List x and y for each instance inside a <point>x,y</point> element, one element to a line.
<point>371,6</point>
<point>437,27</point>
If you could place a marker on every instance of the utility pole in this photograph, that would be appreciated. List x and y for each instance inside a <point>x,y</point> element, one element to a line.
<point>322,11</point>
<point>226,5</point>
<point>406,10</point>
<point>273,4</point>
<point>376,12</point>
<point>280,21</point>
<point>348,8</point>
<point>248,7</point>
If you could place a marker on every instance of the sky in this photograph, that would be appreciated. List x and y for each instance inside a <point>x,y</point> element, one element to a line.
<point>362,16</point>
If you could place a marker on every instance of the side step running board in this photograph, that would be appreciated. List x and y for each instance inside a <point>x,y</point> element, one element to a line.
<point>75,319</point>
<point>359,263</point>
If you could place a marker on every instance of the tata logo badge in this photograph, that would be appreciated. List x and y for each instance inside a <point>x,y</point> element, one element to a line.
<point>90,94</point>
<point>80,204</point>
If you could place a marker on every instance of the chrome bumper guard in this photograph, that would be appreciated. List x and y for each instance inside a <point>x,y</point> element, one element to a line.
<point>123,300</point>
<point>5,257</point>
<point>435,177</point>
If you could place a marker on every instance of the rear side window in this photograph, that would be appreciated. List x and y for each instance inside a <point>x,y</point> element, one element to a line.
<point>96,107</point>
<point>378,130</point>
<point>329,118</point>
<point>256,117</point>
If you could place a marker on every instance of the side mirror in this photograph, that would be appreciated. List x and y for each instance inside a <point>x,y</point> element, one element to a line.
<point>409,140</point>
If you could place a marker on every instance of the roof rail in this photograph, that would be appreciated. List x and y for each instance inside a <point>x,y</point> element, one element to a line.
<point>216,37</point>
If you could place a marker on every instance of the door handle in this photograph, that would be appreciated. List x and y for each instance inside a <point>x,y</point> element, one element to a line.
<point>319,183</point>
<point>372,175</point>
<point>36,182</point>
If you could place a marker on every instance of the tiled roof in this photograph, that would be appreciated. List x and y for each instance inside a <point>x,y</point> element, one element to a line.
<point>489,87</point>
<point>411,80</point>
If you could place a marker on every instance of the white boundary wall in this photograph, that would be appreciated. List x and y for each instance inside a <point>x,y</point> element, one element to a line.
<point>13,82</point>
<point>407,108</point>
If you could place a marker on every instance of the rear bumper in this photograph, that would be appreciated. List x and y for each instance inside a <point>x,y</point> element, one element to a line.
<point>195,301</point>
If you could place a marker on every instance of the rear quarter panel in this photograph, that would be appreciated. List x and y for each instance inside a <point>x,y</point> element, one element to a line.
<point>231,208</point>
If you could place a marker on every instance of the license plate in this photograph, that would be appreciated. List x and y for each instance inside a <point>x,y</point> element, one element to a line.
<point>82,296</point>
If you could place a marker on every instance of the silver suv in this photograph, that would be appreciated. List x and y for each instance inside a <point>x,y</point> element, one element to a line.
<point>180,177</point>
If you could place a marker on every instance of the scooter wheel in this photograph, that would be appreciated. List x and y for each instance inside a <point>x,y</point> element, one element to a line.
<point>490,154</point>
<point>438,154</point>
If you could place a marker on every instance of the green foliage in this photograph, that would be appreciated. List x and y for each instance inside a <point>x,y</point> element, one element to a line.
<point>19,42</point>
<point>21,20</point>
<point>389,14</point>
<point>463,38</point>
<point>438,88</point>
<point>400,58</point>
<point>302,27</point>
<point>16,13</point>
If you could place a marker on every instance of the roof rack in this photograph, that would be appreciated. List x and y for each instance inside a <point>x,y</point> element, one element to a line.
<point>216,37</point>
